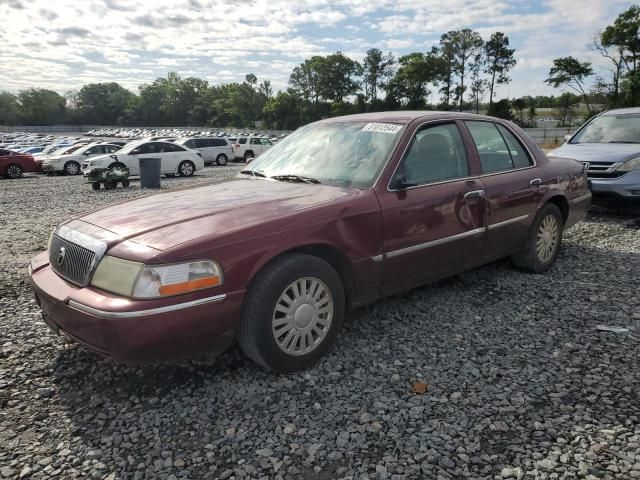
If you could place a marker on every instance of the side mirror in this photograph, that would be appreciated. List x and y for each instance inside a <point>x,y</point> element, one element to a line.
<point>399,181</point>
<point>115,157</point>
<point>567,138</point>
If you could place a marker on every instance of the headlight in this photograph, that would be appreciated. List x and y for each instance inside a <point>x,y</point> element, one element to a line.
<point>132,279</point>
<point>629,165</point>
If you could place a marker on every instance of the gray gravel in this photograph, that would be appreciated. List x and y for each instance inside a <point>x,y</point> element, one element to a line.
<point>521,384</point>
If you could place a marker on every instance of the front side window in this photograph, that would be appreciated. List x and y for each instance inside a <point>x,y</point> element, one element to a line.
<point>242,141</point>
<point>265,141</point>
<point>492,149</point>
<point>350,154</point>
<point>437,153</point>
<point>255,141</point>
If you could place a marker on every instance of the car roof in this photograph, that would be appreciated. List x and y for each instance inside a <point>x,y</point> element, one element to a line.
<point>404,117</point>
<point>621,111</point>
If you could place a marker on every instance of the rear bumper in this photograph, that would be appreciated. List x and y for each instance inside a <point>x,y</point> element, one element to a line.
<point>135,331</point>
<point>627,186</point>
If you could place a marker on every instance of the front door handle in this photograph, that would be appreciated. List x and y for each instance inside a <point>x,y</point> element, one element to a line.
<point>535,182</point>
<point>474,194</point>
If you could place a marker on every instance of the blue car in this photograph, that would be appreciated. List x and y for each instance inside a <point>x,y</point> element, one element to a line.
<point>609,146</point>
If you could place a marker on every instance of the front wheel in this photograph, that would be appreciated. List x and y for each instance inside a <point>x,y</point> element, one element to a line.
<point>13,170</point>
<point>293,312</point>
<point>71,168</point>
<point>248,156</point>
<point>221,160</point>
<point>543,243</point>
<point>186,168</point>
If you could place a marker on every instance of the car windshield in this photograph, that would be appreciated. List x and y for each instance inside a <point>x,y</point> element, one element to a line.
<point>341,153</point>
<point>610,129</point>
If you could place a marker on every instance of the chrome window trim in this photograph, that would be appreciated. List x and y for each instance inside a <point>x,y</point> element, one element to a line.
<point>144,313</point>
<point>470,177</point>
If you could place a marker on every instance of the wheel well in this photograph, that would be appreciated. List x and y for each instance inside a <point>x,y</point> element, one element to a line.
<point>333,257</point>
<point>561,202</point>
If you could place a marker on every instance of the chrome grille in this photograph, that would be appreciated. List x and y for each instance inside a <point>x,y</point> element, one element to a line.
<point>76,263</point>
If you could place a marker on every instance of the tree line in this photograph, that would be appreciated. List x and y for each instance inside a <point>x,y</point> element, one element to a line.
<point>461,73</point>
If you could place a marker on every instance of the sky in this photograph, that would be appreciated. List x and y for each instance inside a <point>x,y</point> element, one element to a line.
<point>63,44</point>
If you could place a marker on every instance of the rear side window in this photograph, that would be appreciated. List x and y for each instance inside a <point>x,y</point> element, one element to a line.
<point>218,142</point>
<point>190,144</point>
<point>242,141</point>
<point>519,155</point>
<point>492,149</point>
<point>255,141</point>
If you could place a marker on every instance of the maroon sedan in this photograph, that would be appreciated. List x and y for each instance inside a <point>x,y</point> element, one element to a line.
<point>14,164</point>
<point>340,213</point>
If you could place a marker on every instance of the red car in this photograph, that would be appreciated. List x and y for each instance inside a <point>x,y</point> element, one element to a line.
<point>14,164</point>
<point>340,213</point>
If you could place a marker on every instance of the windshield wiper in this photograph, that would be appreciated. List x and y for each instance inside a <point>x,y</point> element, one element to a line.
<point>621,141</point>
<point>255,173</point>
<point>295,178</point>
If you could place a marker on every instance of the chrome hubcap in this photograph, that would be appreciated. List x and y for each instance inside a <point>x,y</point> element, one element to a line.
<point>72,169</point>
<point>547,239</point>
<point>186,169</point>
<point>14,171</point>
<point>302,316</point>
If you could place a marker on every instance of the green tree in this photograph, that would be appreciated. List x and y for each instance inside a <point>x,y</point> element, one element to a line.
<point>39,106</point>
<point>499,60</point>
<point>567,71</point>
<point>377,70</point>
<point>463,47</point>
<point>9,109</point>
<point>283,111</point>
<point>337,79</point>
<point>478,85</point>
<point>101,103</point>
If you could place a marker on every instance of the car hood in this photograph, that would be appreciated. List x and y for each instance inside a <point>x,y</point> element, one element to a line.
<point>55,158</point>
<point>165,220</point>
<point>597,152</point>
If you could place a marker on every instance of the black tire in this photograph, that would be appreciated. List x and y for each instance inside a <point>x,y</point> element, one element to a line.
<point>221,160</point>
<point>255,334</point>
<point>116,165</point>
<point>13,170</point>
<point>95,185</point>
<point>125,183</point>
<point>170,175</point>
<point>71,168</point>
<point>186,168</point>
<point>248,156</point>
<point>530,258</point>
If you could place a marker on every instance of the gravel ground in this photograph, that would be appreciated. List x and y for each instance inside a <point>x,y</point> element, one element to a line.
<point>519,382</point>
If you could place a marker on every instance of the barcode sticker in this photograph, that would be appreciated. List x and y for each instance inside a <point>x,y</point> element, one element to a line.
<point>382,127</point>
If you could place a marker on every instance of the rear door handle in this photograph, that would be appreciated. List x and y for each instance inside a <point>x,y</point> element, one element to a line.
<point>535,182</point>
<point>474,194</point>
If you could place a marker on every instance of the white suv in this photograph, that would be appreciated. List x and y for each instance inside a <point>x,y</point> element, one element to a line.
<point>247,148</point>
<point>174,158</point>
<point>213,149</point>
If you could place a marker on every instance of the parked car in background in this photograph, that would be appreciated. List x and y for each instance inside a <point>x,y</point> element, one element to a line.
<point>70,160</point>
<point>14,164</point>
<point>213,149</point>
<point>340,213</point>
<point>175,159</point>
<point>246,148</point>
<point>609,146</point>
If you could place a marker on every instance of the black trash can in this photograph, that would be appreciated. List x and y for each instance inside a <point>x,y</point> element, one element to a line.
<point>150,172</point>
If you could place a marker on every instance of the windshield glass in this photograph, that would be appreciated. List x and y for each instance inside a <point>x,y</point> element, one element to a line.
<point>610,129</point>
<point>346,154</point>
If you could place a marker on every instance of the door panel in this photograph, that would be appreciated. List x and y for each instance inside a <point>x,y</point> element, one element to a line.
<point>430,232</point>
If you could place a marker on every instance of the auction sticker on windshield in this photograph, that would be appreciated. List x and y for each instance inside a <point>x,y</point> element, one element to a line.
<point>382,128</point>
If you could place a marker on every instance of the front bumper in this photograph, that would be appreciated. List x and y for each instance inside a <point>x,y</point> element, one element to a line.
<point>135,330</point>
<point>627,186</point>
<point>51,167</point>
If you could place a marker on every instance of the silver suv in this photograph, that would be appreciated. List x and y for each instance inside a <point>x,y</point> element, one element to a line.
<point>247,148</point>
<point>609,147</point>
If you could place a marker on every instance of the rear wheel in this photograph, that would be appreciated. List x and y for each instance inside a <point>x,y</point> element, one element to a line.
<point>543,243</point>
<point>221,159</point>
<point>95,185</point>
<point>125,183</point>
<point>293,313</point>
<point>248,156</point>
<point>71,168</point>
<point>186,168</point>
<point>13,170</point>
